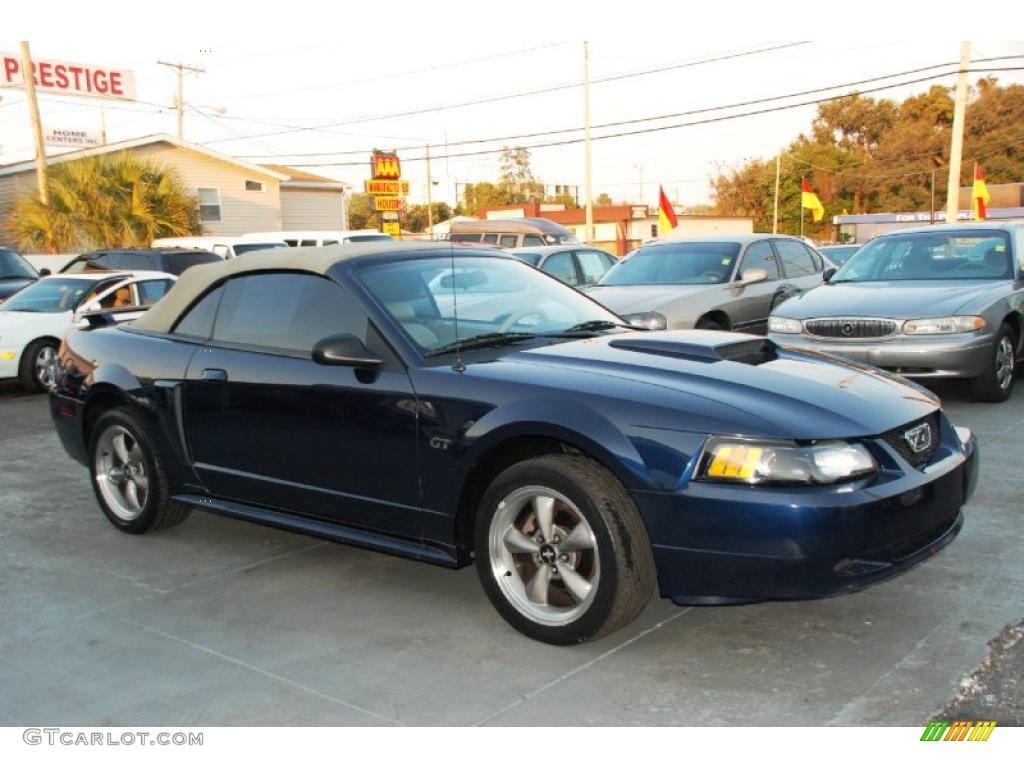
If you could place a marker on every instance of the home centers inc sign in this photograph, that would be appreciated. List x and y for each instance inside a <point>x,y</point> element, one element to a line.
<point>68,78</point>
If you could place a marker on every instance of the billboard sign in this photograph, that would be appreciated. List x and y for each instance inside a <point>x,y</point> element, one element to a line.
<point>68,78</point>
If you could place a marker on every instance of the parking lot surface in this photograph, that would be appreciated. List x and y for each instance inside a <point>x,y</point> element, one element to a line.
<point>218,622</point>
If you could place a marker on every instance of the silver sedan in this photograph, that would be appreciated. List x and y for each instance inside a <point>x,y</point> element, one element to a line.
<point>933,302</point>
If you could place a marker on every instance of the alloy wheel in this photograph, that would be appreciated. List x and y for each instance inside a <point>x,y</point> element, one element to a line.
<point>45,366</point>
<point>544,555</point>
<point>121,473</point>
<point>1004,363</point>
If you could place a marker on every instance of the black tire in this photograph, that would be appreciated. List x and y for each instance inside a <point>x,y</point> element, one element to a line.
<point>157,509</point>
<point>707,324</point>
<point>988,386</point>
<point>627,575</point>
<point>28,377</point>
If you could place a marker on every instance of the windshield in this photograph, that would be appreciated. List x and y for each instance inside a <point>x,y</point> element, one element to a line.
<point>940,255</point>
<point>839,254</point>
<point>241,248</point>
<point>12,265</point>
<point>50,295</point>
<point>493,295</point>
<point>676,264</point>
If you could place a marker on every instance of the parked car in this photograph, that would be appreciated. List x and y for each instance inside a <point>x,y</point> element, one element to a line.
<point>712,283</point>
<point>171,260</point>
<point>838,254</point>
<point>576,266</point>
<point>225,247</point>
<point>511,233</point>
<point>33,322</point>
<point>579,462</point>
<point>319,237</point>
<point>932,302</point>
<point>15,273</point>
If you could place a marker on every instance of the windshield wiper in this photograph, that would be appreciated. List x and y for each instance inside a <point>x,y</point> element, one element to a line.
<point>596,325</point>
<point>482,340</point>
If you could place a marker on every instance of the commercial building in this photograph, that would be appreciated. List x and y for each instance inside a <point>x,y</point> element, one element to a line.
<point>235,196</point>
<point>620,228</point>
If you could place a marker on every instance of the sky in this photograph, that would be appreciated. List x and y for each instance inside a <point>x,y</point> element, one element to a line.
<point>345,78</point>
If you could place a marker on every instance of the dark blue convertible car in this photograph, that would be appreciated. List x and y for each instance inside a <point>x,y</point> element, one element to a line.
<point>453,406</point>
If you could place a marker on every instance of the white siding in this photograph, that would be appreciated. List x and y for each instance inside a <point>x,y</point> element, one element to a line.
<point>312,209</point>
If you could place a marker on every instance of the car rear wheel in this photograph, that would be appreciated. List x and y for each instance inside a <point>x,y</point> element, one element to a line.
<point>128,476</point>
<point>561,550</point>
<point>38,366</point>
<point>996,383</point>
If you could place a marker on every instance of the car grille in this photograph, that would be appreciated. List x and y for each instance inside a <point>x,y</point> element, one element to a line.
<point>896,438</point>
<point>851,327</point>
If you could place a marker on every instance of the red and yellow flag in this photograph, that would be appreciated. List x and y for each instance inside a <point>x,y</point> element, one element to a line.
<point>667,220</point>
<point>979,195</point>
<point>810,200</point>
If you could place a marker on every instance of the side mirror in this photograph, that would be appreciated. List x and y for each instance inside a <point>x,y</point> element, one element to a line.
<point>828,274</point>
<point>755,275</point>
<point>344,349</point>
<point>45,272</point>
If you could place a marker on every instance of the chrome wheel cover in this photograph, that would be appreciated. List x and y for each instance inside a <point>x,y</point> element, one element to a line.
<point>544,556</point>
<point>121,473</point>
<point>45,366</point>
<point>1004,363</point>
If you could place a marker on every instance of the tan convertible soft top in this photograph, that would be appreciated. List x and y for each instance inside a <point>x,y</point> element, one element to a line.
<point>194,281</point>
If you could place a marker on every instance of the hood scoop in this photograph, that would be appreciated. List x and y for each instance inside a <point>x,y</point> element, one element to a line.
<point>754,351</point>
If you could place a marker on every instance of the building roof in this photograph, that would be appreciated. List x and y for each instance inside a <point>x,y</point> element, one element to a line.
<point>294,174</point>
<point>143,141</point>
<point>195,280</point>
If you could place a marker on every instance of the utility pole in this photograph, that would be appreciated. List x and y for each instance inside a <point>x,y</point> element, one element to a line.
<point>103,125</point>
<point>775,215</point>
<point>956,147</point>
<point>587,192</point>
<point>430,208</point>
<point>931,217</point>
<point>181,68</point>
<point>28,77</point>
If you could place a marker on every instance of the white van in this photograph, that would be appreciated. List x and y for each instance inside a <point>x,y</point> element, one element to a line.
<point>225,247</point>
<point>317,237</point>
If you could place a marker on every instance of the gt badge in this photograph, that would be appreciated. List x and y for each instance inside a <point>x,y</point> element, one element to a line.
<point>919,438</point>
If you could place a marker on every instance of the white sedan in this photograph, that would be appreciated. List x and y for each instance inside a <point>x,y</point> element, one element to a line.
<point>35,320</point>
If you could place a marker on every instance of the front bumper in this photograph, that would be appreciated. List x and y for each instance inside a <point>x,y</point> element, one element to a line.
<point>9,360</point>
<point>947,356</point>
<point>716,543</point>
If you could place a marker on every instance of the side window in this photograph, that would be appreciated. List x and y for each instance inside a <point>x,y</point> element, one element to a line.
<point>286,311</point>
<point>222,251</point>
<point>464,237</point>
<point>198,321</point>
<point>120,297</point>
<point>819,265</point>
<point>508,241</point>
<point>560,265</point>
<point>330,242</point>
<point>760,255</point>
<point>795,258</point>
<point>592,264</point>
<point>491,238</point>
<point>131,260</point>
<point>107,261</point>
<point>533,240</point>
<point>308,242</point>
<point>291,243</point>
<point>151,291</point>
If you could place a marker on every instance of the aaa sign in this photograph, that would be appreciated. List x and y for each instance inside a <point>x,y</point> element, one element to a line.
<point>68,78</point>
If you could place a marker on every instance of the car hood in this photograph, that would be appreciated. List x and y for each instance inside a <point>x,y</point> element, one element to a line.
<point>902,299</point>
<point>625,299</point>
<point>689,374</point>
<point>11,285</point>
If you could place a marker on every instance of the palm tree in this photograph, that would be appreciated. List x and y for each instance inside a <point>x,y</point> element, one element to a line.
<point>104,201</point>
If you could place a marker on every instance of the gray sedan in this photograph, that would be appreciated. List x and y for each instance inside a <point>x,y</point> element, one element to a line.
<point>932,302</point>
<point>716,283</point>
<point>575,265</point>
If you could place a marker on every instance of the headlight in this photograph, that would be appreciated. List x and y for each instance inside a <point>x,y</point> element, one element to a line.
<point>652,321</point>
<point>784,325</point>
<point>727,460</point>
<point>930,325</point>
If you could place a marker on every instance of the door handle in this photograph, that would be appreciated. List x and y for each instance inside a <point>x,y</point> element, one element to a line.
<point>214,374</point>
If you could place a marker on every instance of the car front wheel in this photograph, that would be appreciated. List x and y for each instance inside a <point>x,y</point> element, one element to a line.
<point>38,366</point>
<point>561,550</point>
<point>996,383</point>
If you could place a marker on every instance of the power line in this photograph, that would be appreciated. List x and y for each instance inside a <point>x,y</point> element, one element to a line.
<point>522,94</point>
<point>703,110</point>
<point>657,129</point>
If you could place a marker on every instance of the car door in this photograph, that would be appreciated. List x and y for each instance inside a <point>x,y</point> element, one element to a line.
<point>748,306</point>
<point>801,269</point>
<point>592,265</point>
<point>268,426</point>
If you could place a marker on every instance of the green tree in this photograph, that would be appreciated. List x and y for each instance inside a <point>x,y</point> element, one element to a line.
<point>360,212</point>
<point>415,219</point>
<point>603,199</point>
<point>516,178</point>
<point>104,201</point>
